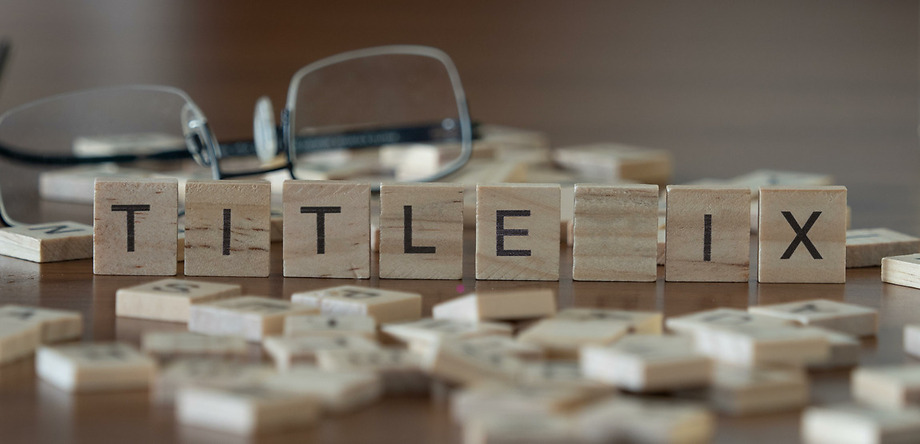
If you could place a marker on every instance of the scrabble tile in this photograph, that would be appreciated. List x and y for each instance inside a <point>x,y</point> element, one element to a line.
<point>305,325</point>
<point>18,339</point>
<point>630,419</point>
<point>499,305</point>
<point>421,231</point>
<point>708,234</point>
<point>740,390</point>
<point>562,338</point>
<point>517,232</point>
<point>246,409</point>
<point>912,339</point>
<point>248,317</point>
<point>491,398</point>
<point>338,392</point>
<point>647,363</point>
<point>768,178</point>
<point>175,344</point>
<point>557,374</point>
<point>429,330</point>
<point>613,161</point>
<point>478,171</point>
<point>615,233</point>
<point>867,247</point>
<point>55,325</point>
<point>288,351</point>
<point>98,366</point>
<point>844,351</point>
<point>851,319</point>
<point>720,317</point>
<point>853,424</point>
<point>169,299</point>
<point>887,387</point>
<point>750,345</point>
<point>210,371</point>
<point>134,224</point>
<point>902,270</point>
<point>382,305</point>
<point>327,233</point>
<point>48,242</point>
<point>802,235</point>
<point>468,361</point>
<point>227,228</point>
<point>513,428</point>
<point>643,322</point>
<point>400,370</point>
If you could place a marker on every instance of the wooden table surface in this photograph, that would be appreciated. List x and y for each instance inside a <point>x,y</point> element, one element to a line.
<point>810,86</point>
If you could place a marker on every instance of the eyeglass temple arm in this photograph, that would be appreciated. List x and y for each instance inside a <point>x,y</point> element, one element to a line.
<point>22,155</point>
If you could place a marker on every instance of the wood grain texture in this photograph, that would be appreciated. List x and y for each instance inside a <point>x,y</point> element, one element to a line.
<point>134,225</point>
<point>902,270</point>
<point>525,244</point>
<point>866,247</point>
<point>435,248</point>
<point>47,242</point>
<point>719,253</point>
<point>783,250</point>
<point>615,233</point>
<point>344,251</point>
<point>211,207</point>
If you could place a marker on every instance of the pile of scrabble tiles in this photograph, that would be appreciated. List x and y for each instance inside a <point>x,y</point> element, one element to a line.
<point>510,365</point>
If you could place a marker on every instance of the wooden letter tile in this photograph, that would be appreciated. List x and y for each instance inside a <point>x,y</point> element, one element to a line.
<point>135,226</point>
<point>382,305</point>
<point>867,247</point>
<point>50,242</point>
<point>501,305</point>
<point>888,387</point>
<point>421,231</point>
<point>802,234</point>
<point>902,270</point>
<point>169,299</point>
<point>844,351</point>
<point>428,331</point>
<point>708,234</point>
<point>55,325</point>
<point>338,392</point>
<point>631,419</point>
<point>287,351</point>
<point>750,345</point>
<point>227,228</point>
<point>744,390</point>
<point>517,232</point>
<point>327,229</point>
<point>467,361</point>
<point>851,319</point>
<point>492,398</point>
<point>647,363</point>
<point>210,371</point>
<point>721,317</point>
<point>249,317</point>
<point>853,423</point>
<point>326,324</point>
<point>165,345</point>
<point>97,366</point>
<point>246,409</point>
<point>642,322</point>
<point>400,370</point>
<point>562,338</point>
<point>615,233</point>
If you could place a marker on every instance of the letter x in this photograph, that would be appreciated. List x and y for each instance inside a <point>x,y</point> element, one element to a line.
<point>801,235</point>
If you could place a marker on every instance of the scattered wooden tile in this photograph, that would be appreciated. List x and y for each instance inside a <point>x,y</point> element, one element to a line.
<point>912,339</point>
<point>769,178</point>
<point>647,363</point>
<point>169,299</point>
<point>327,230</point>
<point>288,351</point>
<point>210,371</point>
<point>134,224</point>
<point>382,305</point>
<point>55,325</point>
<point>514,428</point>
<point>400,370</point>
<point>853,423</point>
<point>902,270</point>
<point>563,338</point>
<point>499,305</point>
<point>166,345</point>
<point>491,398</point>
<point>18,339</point>
<point>802,235</point>
<point>741,390</point>
<point>630,419</point>
<point>851,319</point>
<point>339,392</point>
<point>867,247</point>
<point>98,366</point>
<point>557,374</point>
<point>642,322</point>
<point>246,409</point>
<point>429,331</point>
<point>305,325</point>
<point>720,317</point>
<point>844,351</point>
<point>227,228</point>
<point>48,242</point>
<point>888,387</point>
<point>421,231</point>
<point>468,361</point>
<point>249,317</point>
<point>708,234</point>
<point>750,345</point>
<point>607,162</point>
<point>517,232</point>
<point>615,233</point>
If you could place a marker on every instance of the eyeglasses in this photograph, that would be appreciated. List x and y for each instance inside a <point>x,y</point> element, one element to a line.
<point>391,113</point>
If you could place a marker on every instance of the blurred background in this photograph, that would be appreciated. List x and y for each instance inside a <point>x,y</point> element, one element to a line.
<point>727,87</point>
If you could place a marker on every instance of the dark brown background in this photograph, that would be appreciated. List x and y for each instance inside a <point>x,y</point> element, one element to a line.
<point>825,86</point>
